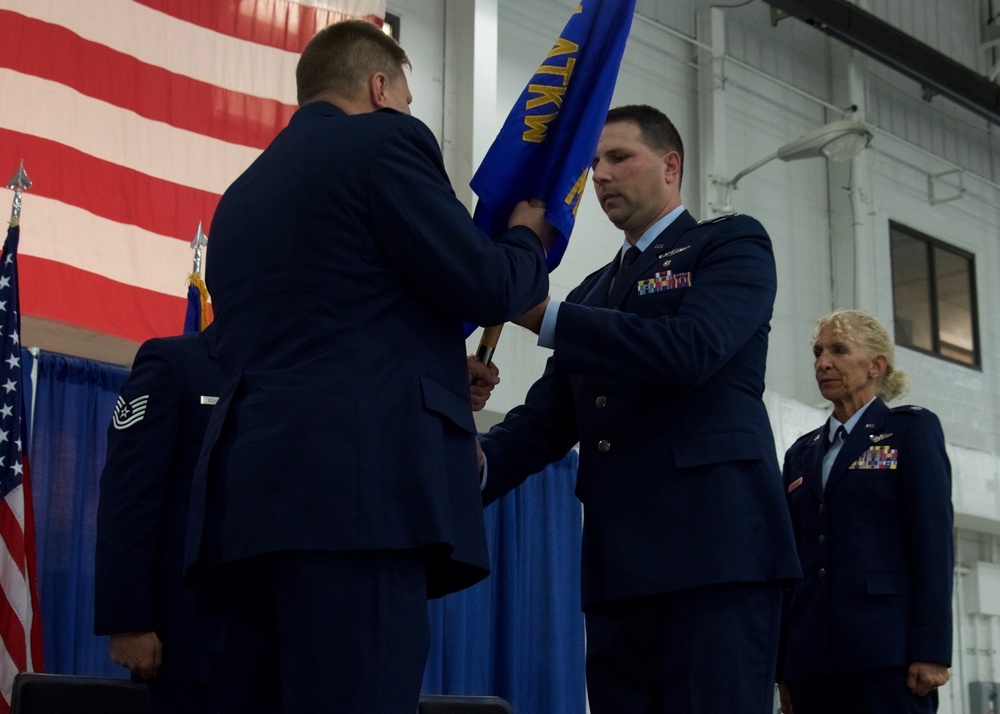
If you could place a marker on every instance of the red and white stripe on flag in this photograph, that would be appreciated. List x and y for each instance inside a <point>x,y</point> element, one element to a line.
<point>132,117</point>
<point>20,624</point>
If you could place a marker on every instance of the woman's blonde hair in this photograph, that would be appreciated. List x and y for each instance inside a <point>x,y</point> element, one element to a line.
<point>867,333</point>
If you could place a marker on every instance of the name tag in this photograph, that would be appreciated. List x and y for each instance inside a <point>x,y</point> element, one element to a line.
<point>209,400</point>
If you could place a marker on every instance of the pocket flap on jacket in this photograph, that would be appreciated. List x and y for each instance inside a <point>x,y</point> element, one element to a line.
<point>715,447</point>
<point>441,400</point>
<point>887,583</point>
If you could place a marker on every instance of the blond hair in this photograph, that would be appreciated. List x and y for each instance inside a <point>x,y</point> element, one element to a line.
<point>867,333</point>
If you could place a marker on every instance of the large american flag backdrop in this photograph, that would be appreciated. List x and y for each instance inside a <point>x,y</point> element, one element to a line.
<point>132,117</point>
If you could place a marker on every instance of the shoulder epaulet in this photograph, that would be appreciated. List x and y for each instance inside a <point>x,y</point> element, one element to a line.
<point>906,409</point>
<point>809,436</point>
<point>710,221</point>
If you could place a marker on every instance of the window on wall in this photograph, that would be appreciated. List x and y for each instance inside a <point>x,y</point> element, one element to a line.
<point>933,290</point>
<point>391,26</point>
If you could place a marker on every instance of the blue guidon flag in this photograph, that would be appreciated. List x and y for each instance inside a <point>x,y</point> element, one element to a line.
<point>546,147</point>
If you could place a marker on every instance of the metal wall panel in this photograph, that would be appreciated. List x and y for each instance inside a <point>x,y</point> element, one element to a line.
<point>896,104</point>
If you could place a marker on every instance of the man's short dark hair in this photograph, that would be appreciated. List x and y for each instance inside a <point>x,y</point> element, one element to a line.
<point>341,57</point>
<point>656,130</point>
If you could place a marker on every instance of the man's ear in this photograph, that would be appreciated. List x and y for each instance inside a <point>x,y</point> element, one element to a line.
<point>376,90</point>
<point>672,167</point>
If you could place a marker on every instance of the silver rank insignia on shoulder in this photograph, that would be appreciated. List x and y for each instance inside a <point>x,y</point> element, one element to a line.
<point>127,414</point>
<point>878,437</point>
<point>209,400</point>
<point>669,253</point>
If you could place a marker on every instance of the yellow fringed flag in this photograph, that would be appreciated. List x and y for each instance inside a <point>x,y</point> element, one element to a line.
<point>199,310</point>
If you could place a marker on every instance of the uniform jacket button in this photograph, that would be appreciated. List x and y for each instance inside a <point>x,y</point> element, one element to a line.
<point>604,446</point>
<point>600,401</point>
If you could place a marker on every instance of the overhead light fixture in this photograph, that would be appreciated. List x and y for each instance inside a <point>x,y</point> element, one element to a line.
<point>838,141</point>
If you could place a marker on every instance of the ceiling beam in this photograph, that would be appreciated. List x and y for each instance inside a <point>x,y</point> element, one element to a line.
<point>878,39</point>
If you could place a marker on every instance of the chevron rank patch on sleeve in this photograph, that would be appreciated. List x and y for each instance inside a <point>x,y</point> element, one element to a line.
<point>129,413</point>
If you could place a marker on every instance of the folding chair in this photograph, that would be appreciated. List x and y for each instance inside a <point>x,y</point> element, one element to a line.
<point>441,704</point>
<point>71,694</point>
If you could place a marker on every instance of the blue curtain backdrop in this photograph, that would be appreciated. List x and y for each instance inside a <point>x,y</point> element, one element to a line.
<point>73,402</point>
<point>519,634</point>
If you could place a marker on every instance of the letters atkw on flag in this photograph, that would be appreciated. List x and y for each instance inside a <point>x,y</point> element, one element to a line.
<point>546,146</point>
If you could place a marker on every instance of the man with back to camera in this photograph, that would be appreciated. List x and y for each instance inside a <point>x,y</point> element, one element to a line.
<point>154,439</point>
<point>658,373</point>
<point>338,479</point>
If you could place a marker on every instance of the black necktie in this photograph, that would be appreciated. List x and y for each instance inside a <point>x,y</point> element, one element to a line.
<point>630,255</point>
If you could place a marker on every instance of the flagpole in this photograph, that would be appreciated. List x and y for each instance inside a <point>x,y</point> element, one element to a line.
<point>491,335</point>
<point>198,314</point>
<point>488,344</point>
<point>18,182</point>
<point>21,635</point>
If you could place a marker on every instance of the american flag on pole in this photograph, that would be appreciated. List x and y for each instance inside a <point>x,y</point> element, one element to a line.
<point>135,115</point>
<point>20,622</point>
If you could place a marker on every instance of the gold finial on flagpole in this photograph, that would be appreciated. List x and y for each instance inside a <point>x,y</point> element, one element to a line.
<point>19,182</point>
<point>491,335</point>
<point>488,344</point>
<point>198,242</point>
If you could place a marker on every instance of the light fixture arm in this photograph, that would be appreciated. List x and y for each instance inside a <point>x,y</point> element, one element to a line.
<point>752,167</point>
<point>837,141</point>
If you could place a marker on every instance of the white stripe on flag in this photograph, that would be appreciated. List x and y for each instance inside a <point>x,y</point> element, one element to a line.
<point>175,45</point>
<point>118,135</point>
<point>16,504</point>
<point>7,671</point>
<point>121,252</point>
<point>354,8</point>
<point>11,582</point>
